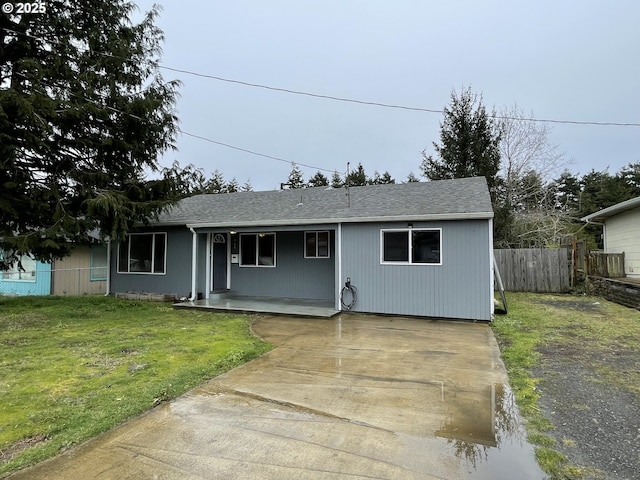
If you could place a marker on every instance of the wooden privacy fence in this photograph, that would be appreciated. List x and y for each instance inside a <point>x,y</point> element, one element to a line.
<point>608,265</point>
<point>534,269</point>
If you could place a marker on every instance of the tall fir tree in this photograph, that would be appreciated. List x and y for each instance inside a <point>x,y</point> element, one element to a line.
<point>84,114</point>
<point>469,143</point>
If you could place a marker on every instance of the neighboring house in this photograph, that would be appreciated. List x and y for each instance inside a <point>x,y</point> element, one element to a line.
<point>421,249</point>
<point>26,277</point>
<point>621,232</point>
<point>83,272</point>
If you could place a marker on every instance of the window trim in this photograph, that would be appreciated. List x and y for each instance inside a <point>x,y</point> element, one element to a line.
<point>317,255</point>
<point>153,252</point>
<point>257,252</point>
<point>410,251</point>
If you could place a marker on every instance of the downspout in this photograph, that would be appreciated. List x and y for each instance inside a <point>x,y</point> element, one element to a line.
<point>108,267</point>
<point>194,247</point>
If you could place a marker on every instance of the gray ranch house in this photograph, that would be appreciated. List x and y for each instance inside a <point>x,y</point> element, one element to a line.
<point>420,249</point>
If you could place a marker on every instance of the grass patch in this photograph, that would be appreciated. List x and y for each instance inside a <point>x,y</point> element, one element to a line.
<point>71,368</point>
<point>588,327</point>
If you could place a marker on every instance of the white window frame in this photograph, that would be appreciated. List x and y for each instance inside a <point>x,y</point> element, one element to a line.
<point>153,254</point>
<point>30,275</point>
<point>257,252</point>
<point>317,255</point>
<point>410,250</point>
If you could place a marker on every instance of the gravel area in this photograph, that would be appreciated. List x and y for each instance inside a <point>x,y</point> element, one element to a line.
<point>597,424</point>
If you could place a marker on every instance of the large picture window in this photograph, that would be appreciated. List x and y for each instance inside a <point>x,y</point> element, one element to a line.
<point>143,253</point>
<point>23,270</point>
<point>257,249</point>
<point>411,246</point>
<point>316,244</point>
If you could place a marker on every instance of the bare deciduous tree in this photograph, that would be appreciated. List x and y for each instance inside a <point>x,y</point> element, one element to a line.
<point>526,152</point>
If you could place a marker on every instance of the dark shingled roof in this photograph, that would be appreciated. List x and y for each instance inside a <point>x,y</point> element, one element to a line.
<point>436,200</point>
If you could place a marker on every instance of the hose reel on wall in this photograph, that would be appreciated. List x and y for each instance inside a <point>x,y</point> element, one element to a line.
<point>348,295</point>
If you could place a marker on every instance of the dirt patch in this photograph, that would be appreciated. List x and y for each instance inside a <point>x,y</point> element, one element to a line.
<point>580,305</point>
<point>597,422</point>
<point>10,452</point>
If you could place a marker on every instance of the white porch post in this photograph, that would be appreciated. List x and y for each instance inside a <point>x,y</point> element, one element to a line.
<point>208,268</point>
<point>194,263</point>
<point>339,270</point>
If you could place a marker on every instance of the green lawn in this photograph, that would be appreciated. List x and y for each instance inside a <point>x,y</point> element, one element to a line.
<point>71,368</point>
<point>585,325</point>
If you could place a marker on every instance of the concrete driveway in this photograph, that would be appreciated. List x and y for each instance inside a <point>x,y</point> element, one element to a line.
<point>351,397</point>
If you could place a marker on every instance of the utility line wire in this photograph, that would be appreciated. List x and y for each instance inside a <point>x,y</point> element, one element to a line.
<point>385,105</point>
<point>253,153</point>
<point>351,100</point>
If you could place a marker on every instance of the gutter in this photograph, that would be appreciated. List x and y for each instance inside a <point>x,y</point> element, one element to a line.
<point>194,247</point>
<point>327,220</point>
<point>591,222</point>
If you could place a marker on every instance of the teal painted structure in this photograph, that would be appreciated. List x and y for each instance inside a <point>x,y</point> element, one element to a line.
<point>37,283</point>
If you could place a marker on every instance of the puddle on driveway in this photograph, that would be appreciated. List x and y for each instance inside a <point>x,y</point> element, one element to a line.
<point>440,386</point>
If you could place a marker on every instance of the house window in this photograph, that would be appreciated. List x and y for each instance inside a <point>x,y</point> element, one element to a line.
<point>98,263</point>
<point>143,253</point>
<point>23,270</point>
<point>411,246</point>
<point>316,244</point>
<point>258,249</point>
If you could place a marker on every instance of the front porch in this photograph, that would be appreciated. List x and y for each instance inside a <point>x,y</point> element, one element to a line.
<point>271,305</point>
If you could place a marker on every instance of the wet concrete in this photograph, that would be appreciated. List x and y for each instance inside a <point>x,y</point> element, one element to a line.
<point>351,397</point>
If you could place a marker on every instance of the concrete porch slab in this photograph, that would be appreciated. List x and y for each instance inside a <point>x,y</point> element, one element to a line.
<point>269,305</point>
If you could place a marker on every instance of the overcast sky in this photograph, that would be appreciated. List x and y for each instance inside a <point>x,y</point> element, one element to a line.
<point>556,59</point>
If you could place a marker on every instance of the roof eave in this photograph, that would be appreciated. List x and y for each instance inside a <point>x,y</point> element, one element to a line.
<point>611,211</point>
<point>320,221</point>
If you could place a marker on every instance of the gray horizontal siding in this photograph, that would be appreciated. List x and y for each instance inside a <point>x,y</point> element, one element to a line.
<point>177,277</point>
<point>459,288</point>
<point>293,276</point>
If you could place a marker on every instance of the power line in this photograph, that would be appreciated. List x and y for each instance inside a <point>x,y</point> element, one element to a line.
<point>351,100</point>
<point>385,105</point>
<point>252,152</point>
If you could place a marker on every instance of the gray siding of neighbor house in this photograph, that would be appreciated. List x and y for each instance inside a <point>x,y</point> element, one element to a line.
<point>177,277</point>
<point>293,276</point>
<point>459,288</point>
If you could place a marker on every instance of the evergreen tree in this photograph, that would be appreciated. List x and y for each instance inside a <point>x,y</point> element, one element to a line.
<point>232,186</point>
<point>318,180</point>
<point>381,179</point>
<point>336,180</point>
<point>84,113</point>
<point>247,187</point>
<point>357,177</point>
<point>186,181</point>
<point>411,178</point>
<point>216,183</point>
<point>295,179</point>
<point>469,143</point>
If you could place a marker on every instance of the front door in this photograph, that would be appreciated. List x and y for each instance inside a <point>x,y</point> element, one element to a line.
<point>219,262</point>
